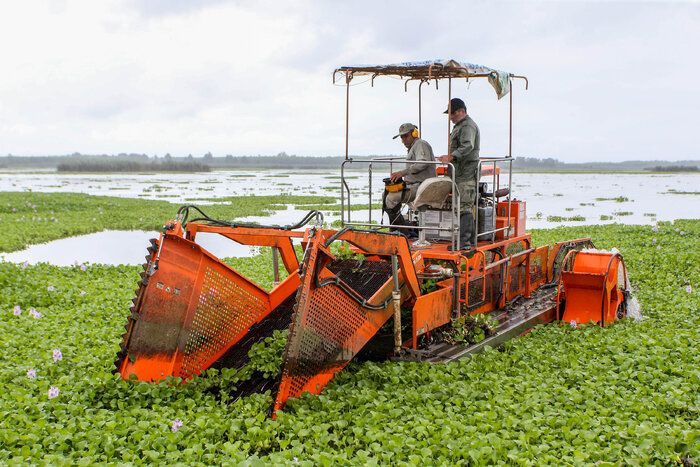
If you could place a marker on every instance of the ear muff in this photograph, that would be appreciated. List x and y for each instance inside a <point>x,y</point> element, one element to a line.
<point>414,133</point>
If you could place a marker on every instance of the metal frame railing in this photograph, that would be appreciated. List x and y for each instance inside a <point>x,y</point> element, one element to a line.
<point>346,209</point>
<point>346,195</point>
<point>496,185</point>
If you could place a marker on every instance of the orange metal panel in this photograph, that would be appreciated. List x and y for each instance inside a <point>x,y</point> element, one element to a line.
<point>279,238</point>
<point>431,311</point>
<point>193,309</point>
<point>329,327</point>
<point>591,287</point>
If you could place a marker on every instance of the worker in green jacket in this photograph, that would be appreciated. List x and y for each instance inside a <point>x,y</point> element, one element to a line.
<point>464,155</point>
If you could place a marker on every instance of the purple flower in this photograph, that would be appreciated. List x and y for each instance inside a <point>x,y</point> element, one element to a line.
<point>93,219</point>
<point>689,289</point>
<point>50,288</point>
<point>57,355</point>
<point>678,230</point>
<point>82,292</point>
<point>177,424</point>
<point>653,240</point>
<point>34,314</point>
<point>573,324</point>
<point>658,247</point>
<point>25,264</point>
<point>17,310</point>
<point>682,233</point>
<point>53,392</point>
<point>76,262</point>
<point>31,373</point>
<point>655,229</point>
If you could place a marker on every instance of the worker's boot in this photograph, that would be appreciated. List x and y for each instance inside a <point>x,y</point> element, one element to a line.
<point>396,218</point>
<point>467,232</point>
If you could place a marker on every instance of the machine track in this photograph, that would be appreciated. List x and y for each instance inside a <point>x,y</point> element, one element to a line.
<point>514,320</point>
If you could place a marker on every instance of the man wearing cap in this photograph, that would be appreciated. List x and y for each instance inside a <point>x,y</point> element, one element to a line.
<point>464,155</point>
<point>413,174</point>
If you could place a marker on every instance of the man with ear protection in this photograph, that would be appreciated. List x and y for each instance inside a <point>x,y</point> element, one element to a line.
<point>413,174</point>
<point>465,142</point>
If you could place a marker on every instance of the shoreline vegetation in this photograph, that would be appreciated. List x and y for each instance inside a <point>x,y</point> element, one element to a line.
<point>80,163</point>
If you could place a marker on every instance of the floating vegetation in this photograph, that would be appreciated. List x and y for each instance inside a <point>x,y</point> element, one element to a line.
<point>587,396</point>
<point>557,194</point>
<point>586,204</point>
<point>154,188</point>
<point>622,213</point>
<point>576,218</point>
<point>337,207</point>
<point>568,209</point>
<point>605,217</point>
<point>671,191</point>
<point>649,214</point>
<point>619,199</point>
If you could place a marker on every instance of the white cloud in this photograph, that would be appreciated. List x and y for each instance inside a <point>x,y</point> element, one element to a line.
<point>608,80</point>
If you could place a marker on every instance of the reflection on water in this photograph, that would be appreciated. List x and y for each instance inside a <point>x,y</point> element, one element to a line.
<point>114,247</point>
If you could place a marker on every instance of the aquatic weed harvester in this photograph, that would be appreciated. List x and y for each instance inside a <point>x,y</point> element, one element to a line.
<point>192,312</point>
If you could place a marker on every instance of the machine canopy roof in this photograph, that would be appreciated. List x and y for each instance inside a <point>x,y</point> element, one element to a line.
<point>434,69</point>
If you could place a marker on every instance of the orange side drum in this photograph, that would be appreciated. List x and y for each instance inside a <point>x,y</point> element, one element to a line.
<point>592,287</point>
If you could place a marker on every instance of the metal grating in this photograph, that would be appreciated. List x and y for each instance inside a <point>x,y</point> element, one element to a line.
<point>517,280</point>
<point>364,277</point>
<point>514,248</point>
<point>332,319</point>
<point>475,289</point>
<point>224,311</point>
<point>538,264</point>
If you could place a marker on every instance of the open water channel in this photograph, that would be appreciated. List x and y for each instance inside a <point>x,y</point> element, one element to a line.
<point>552,200</point>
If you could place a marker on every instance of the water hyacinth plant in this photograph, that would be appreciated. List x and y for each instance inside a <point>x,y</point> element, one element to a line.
<point>623,395</point>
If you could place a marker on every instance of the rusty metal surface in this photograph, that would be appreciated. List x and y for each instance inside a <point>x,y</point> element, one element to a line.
<point>193,309</point>
<point>329,326</point>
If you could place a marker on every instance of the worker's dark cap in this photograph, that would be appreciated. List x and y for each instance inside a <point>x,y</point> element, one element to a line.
<point>455,104</point>
<point>405,128</point>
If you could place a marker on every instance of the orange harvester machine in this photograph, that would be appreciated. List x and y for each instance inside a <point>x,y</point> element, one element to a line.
<point>193,312</point>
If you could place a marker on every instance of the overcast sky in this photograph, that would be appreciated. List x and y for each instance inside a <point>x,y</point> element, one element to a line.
<point>609,81</point>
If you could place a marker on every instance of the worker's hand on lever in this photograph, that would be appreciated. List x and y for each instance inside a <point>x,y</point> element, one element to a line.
<point>445,159</point>
<point>396,175</point>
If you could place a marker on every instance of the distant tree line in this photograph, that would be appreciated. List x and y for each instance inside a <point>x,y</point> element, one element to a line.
<point>117,165</point>
<point>675,168</point>
<point>123,162</point>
